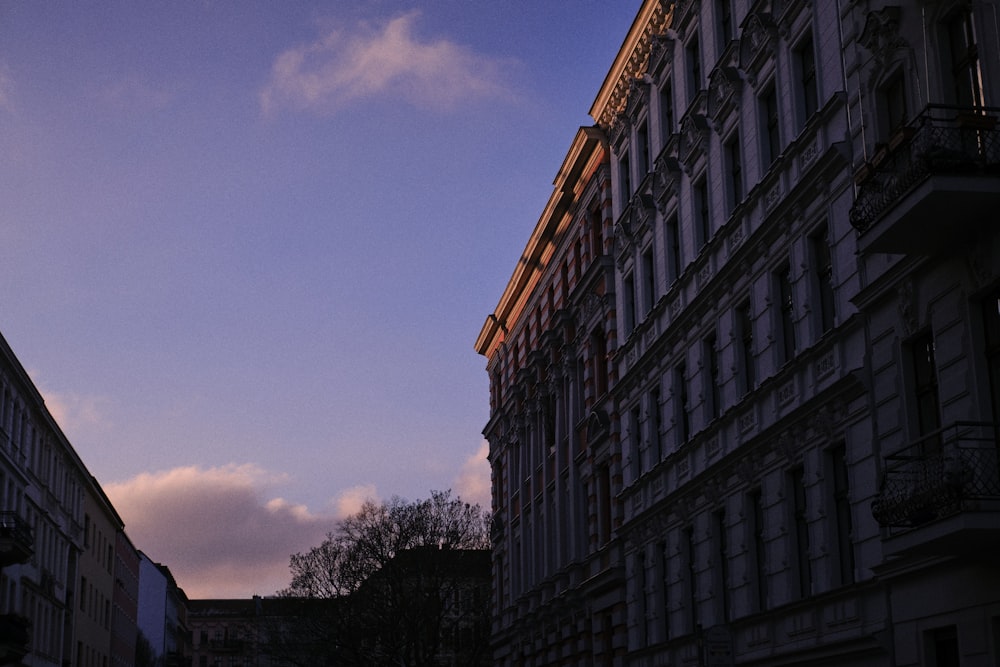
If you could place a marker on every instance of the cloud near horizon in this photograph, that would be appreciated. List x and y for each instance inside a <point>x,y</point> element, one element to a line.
<point>223,537</point>
<point>345,66</point>
<point>214,529</point>
<point>473,481</point>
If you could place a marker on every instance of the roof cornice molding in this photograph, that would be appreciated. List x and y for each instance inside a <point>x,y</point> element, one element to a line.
<point>654,19</point>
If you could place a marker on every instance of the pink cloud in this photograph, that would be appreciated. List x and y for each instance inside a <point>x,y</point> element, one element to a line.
<point>214,528</point>
<point>473,481</point>
<point>345,66</point>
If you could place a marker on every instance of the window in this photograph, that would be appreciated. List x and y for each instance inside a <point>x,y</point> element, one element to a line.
<point>649,281</point>
<point>786,313</point>
<point>595,234</point>
<point>604,504</point>
<point>635,435</point>
<point>843,524</point>
<point>681,417</point>
<point>724,24</point>
<point>942,647</point>
<point>667,110</point>
<point>693,61</point>
<point>712,393</point>
<point>758,553</point>
<point>721,564</point>
<point>640,594</point>
<point>673,250</point>
<point>655,426</point>
<point>628,303</point>
<point>823,278</point>
<point>642,146</point>
<point>770,146</point>
<point>966,77</point>
<point>991,321</point>
<point>744,331</point>
<point>702,220</point>
<point>599,359</point>
<point>804,62</point>
<point>925,386</point>
<point>893,101</point>
<point>733,165</point>
<point>800,532</point>
<point>625,178</point>
<point>664,583</point>
<point>690,573</point>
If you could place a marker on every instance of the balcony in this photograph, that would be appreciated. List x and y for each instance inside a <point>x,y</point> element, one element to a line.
<point>17,543</point>
<point>941,494</point>
<point>15,637</point>
<point>929,187</point>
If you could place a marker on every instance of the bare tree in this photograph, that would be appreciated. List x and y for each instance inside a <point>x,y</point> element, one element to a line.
<point>407,583</point>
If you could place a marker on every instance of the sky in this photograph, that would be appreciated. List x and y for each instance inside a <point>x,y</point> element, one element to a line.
<point>246,247</point>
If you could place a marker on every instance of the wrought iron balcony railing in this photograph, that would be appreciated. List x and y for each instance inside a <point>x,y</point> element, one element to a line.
<point>12,526</point>
<point>952,470</point>
<point>17,540</point>
<point>941,140</point>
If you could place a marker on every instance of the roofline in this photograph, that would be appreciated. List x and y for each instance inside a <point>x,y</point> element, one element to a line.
<point>496,325</point>
<point>631,58</point>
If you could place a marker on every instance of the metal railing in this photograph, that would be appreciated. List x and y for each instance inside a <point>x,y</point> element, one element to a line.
<point>951,470</point>
<point>941,140</point>
<point>12,526</point>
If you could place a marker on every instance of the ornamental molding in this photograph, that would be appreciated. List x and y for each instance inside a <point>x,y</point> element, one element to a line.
<point>758,44</point>
<point>880,36</point>
<point>634,65</point>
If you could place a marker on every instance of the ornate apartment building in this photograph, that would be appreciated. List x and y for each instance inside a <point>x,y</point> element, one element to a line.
<point>745,381</point>
<point>65,598</point>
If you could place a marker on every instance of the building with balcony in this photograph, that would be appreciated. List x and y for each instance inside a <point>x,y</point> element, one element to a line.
<point>923,83</point>
<point>556,470</point>
<point>41,530</point>
<point>797,397</point>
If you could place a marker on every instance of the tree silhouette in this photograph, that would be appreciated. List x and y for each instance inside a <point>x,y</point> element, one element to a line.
<point>401,583</point>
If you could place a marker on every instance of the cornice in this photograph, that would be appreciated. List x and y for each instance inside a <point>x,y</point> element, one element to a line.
<point>631,63</point>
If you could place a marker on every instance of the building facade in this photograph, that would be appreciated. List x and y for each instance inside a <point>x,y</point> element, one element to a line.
<point>42,484</point>
<point>795,409</point>
<point>125,602</point>
<point>93,612</point>
<point>161,614</point>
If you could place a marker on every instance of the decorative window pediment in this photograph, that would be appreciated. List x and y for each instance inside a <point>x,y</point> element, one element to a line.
<point>880,36</point>
<point>724,85</point>
<point>758,42</point>
<point>666,175</point>
<point>684,14</point>
<point>638,99</point>
<point>694,131</point>
<point>661,52</point>
<point>632,225</point>
<point>619,129</point>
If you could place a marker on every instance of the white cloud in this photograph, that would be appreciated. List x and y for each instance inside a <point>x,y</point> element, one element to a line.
<point>214,529</point>
<point>350,500</point>
<point>347,66</point>
<point>473,481</point>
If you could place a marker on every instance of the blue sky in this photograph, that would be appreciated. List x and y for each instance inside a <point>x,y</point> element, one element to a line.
<point>247,247</point>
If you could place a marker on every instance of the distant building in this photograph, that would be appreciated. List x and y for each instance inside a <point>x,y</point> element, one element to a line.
<point>125,602</point>
<point>162,614</point>
<point>93,612</point>
<point>782,445</point>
